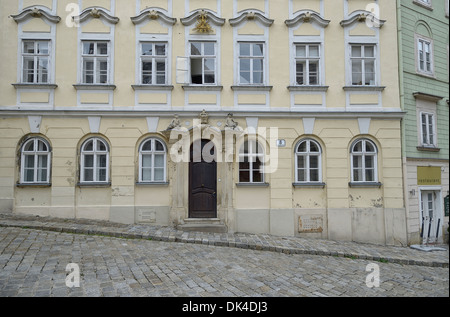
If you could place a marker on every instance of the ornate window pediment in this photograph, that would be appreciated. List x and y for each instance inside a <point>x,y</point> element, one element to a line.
<point>307,16</point>
<point>153,14</point>
<point>203,18</point>
<point>95,13</point>
<point>362,16</point>
<point>251,15</point>
<point>35,12</point>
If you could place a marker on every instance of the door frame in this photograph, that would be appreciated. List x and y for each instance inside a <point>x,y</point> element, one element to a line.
<point>214,211</point>
<point>439,203</point>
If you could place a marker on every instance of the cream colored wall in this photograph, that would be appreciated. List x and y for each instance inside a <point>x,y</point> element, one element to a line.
<point>67,43</point>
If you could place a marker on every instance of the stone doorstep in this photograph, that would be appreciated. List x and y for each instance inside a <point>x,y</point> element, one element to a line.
<point>212,225</point>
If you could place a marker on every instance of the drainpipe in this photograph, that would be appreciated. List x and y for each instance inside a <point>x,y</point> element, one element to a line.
<point>402,105</point>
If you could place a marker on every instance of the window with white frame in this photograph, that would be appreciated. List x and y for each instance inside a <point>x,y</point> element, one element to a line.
<point>153,63</point>
<point>424,56</point>
<point>95,62</point>
<point>427,129</point>
<point>35,61</point>
<point>94,161</point>
<point>203,63</point>
<point>308,161</point>
<point>307,64</point>
<point>363,154</point>
<point>251,63</point>
<point>35,162</point>
<point>251,162</point>
<point>152,161</point>
<point>363,64</point>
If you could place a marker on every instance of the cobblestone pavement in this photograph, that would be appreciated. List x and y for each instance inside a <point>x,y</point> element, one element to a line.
<point>33,263</point>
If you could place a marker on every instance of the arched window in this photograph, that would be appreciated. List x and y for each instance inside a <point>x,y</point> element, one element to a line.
<point>94,161</point>
<point>308,164</point>
<point>251,162</point>
<point>35,158</point>
<point>152,161</point>
<point>364,161</point>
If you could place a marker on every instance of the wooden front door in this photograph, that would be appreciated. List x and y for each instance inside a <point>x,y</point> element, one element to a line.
<point>202,181</point>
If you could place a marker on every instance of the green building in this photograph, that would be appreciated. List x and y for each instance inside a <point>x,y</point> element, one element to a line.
<point>423,35</point>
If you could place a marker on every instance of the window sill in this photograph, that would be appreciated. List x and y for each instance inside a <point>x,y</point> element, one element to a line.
<point>98,185</point>
<point>423,5</point>
<point>152,183</point>
<point>307,88</point>
<point>428,149</point>
<point>365,88</point>
<point>309,185</point>
<point>34,185</point>
<point>34,86</point>
<point>425,74</point>
<point>364,184</point>
<point>152,87</point>
<point>251,88</point>
<point>252,184</point>
<point>94,87</point>
<point>202,87</point>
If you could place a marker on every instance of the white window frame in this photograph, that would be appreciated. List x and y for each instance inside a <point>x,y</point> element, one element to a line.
<point>428,139</point>
<point>424,40</point>
<point>153,152</point>
<point>36,153</point>
<point>251,156</point>
<point>307,59</point>
<point>252,58</point>
<point>36,58</point>
<point>154,59</point>
<point>203,57</point>
<point>96,58</point>
<point>307,156</point>
<point>95,168</point>
<point>364,154</point>
<point>364,59</point>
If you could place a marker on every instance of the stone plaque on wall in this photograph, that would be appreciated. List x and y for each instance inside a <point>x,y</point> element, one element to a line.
<point>310,223</point>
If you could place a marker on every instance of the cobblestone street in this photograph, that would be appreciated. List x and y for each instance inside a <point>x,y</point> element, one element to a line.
<point>33,263</point>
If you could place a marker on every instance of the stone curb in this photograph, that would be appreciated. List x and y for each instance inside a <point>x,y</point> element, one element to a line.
<point>244,241</point>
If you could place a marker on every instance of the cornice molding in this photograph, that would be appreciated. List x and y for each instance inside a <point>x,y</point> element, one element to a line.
<point>307,16</point>
<point>193,18</point>
<point>251,15</point>
<point>35,12</point>
<point>95,13</point>
<point>153,14</point>
<point>361,16</point>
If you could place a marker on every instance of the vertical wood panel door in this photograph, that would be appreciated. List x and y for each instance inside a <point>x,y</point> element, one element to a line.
<point>202,180</point>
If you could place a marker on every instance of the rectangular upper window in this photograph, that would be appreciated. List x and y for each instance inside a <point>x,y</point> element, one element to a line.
<point>363,65</point>
<point>307,64</point>
<point>424,56</point>
<point>203,63</point>
<point>427,129</point>
<point>95,62</point>
<point>153,57</point>
<point>251,63</point>
<point>35,61</point>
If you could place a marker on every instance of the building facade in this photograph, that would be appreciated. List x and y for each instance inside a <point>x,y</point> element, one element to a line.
<point>277,117</point>
<point>424,53</point>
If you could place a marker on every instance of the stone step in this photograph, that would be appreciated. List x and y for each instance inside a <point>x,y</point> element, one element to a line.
<point>203,225</point>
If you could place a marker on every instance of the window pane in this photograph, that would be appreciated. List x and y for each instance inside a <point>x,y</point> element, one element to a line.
<point>357,175</point>
<point>28,69</point>
<point>356,73</point>
<point>357,161</point>
<point>300,161</point>
<point>101,161</point>
<point>42,70</point>
<point>42,161</point>
<point>356,51</point>
<point>313,73</point>
<point>89,146</point>
<point>209,65</point>
<point>369,51</point>
<point>314,175</point>
<point>196,71</point>
<point>369,73</point>
<point>42,175</point>
<point>89,160</point>
<point>302,147</point>
<point>257,64</point>
<point>88,174</point>
<point>88,48</point>
<point>301,175</point>
<point>160,49</point>
<point>244,77</point>
<point>159,146</point>
<point>196,49</point>
<point>159,174</point>
<point>146,161</point>
<point>313,161</point>
<point>29,175</point>
<point>313,51</point>
<point>28,47</point>
<point>209,48</point>
<point>300,67</point>
<point>42,48</point>
<point>29,146</point>
<point>257,177</point>
<point>300,50</point>
<point>101,175</point>
<point>357,147</point>
<point>313,147</point>
<point>147,49</point>
<point>244,176</point>
<point>147,146</point>
<point>369,161</point>
<point>159,160</point>
<point>29,161</point>
<point>257,77</point>
<point>102,48</point>
<point>101,146</point>
<point>370,175</point>
<point>245,64</point>
<point>257,50</point>
<point>244,49</point>
<point>146,174</point>
<point>370,147</point>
